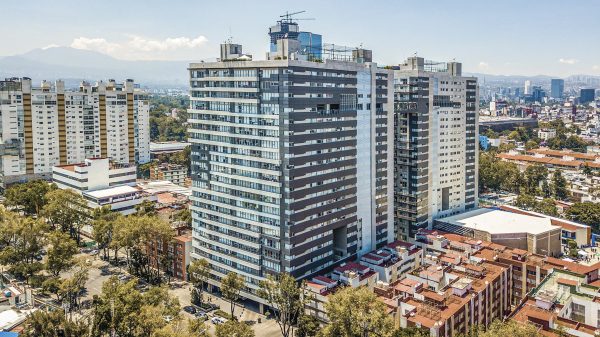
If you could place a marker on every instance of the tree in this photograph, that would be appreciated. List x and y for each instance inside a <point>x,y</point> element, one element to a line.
<point>71,288</point>
<point>587,213</point>
<point>547,206</point>
<point>103,228</point>
<point>184,215</point>
<point>67,211</point>
<point>197,328</point>
<point>509,328</point>
<point>534,175</point>
<point>140,236</point>
<point>531,144</point>
<point>573,250</point>
<point>199,272</point>
<point>52,324</point>
<point>123,309</point>
<point>308,326</point>
<point>526,201</point>
<point>29,197</point>
<point>21,240</point>
<point>586,169</point>
<point>146,207</point>
<point>559,185</point>
<point>410,332</point>
<point>231,286</point>
<point>60,254</point>
<point>286,297</point>
<point>233,328</point>
<point>356,312</point>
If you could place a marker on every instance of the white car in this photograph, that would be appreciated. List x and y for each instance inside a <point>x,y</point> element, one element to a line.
<point>218,320</point>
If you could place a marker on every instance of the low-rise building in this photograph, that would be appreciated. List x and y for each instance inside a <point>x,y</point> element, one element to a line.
<point>121,198</point>
<point>462,296</point>
<point>546,134</point>
<point>570,230</point>
<point>177,254</point>
<point>533,234</point>
<point>93,174</point>
<point>393,261</point>
<point>319,288</point>
<point>174,173</point>
<point>562,303</point>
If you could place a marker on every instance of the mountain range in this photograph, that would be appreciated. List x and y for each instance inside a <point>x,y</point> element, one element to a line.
<point>73,65</point>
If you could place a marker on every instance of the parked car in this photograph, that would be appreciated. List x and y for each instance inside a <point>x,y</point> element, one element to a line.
<point>218,320</point>
<point>189,309</point>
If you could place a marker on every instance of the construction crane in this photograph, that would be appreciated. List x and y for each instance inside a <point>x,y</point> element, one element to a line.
<point>289,17</point>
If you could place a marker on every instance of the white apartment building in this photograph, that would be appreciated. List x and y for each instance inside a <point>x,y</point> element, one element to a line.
<point>93,174</point>
<point>546,134</point>
<point>436,129</point>
<point>46,126</point>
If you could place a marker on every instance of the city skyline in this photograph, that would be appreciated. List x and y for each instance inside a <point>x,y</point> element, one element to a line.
<point>506,39</point>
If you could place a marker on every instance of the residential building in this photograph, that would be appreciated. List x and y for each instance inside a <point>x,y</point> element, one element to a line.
<point>319,288</point>
<point>177,174</point>
<point>557,88</point>
<point>564,304</point>
<point>93,174</point>
<point>587,95</point>
<point>178,254</point>
<point>529,233</point>
<point>436,143</point>
<point>48,126</point>
<point>449,299</point>
<point>291,164</point>
<point>546,134</point>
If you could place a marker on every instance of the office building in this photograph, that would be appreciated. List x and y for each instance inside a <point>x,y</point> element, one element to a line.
<point>527,90</point>
<point>47,126</point>
<point>291,164</point>
<point>557,88</point>
<point>587,95</point>
<point>93,174</point>
<point>436,135</point>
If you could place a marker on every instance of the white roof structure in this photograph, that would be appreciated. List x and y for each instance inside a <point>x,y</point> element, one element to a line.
<point>501,222</point>
<point>161,186</point>
<point>112,191</point>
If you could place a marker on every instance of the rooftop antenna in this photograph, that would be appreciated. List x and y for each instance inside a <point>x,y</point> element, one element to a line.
<point>230,37</point>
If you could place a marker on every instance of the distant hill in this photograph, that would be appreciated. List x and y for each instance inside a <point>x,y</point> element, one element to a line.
<point>74,65</point>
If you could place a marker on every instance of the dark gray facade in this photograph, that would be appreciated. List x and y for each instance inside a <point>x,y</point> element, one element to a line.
<point>274,165</point>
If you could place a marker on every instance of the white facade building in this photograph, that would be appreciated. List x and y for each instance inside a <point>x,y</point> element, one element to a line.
<point>47,126</point>
<point>93,174</point>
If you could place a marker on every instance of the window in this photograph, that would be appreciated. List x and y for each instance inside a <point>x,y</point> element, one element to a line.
<point>578,312</point>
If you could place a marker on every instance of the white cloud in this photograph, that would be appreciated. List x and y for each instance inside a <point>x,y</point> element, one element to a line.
<point>568,61</point>
<point>483,65</point>
<point>95,44</point>
<point>50,46</point>
<point>142,48</point>
<point>596,67</point>
<point>170,43</point>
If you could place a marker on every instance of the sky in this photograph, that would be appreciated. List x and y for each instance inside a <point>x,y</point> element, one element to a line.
<point>505,37</point>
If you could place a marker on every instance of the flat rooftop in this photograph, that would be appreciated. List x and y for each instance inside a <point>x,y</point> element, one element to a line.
<point>500,222</point>
<point>112,192</point>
